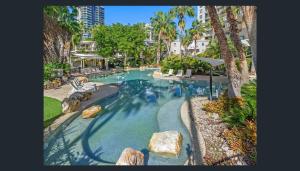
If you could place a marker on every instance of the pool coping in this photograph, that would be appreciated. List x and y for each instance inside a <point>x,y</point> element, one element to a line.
<point>186,119</point>
<point>65,119</point>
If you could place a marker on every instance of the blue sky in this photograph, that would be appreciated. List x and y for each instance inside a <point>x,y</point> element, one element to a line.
<point>135,14</point>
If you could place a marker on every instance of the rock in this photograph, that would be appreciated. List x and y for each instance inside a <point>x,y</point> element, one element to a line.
<point>157,74</point>
<point>81,96</point>
<point>166,143</point>
<point>70,105</point>
<point>91,112</point>
<point>130,156</point>
<point>82,79</point>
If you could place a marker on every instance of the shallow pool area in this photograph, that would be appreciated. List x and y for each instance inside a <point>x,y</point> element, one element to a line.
<point>142,106</point>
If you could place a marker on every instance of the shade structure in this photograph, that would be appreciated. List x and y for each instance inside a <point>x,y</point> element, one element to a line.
<point>87,56</point>
<point>211,61</point>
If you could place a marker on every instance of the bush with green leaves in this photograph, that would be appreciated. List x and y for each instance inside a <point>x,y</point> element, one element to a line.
<point>185,62</point>
<point>49,69</point>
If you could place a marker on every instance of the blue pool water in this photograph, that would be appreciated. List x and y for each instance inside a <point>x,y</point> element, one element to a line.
<point>142,106</point>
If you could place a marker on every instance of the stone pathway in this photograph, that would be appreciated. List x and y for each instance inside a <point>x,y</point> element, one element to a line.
<point>62,92</point>
<point>217,151</point>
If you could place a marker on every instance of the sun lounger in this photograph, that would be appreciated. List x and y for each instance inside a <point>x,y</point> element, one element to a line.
<point>180,73</point>
<point>171,71</point>
<point>188,73</point>
<point>83,88</point>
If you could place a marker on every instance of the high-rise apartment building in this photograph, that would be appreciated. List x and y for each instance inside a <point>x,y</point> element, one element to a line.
<point>90,16</point>
<point>203,17</point>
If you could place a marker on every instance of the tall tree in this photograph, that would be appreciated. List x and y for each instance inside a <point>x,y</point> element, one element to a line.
<point>186,41</point>
<point>196,32</point>
<point>127,40</point>
<point>162,24</point>
<point>59,26</point>
<point>180,12</point>
<point>249,17</point>
<point>238,45</point>
<point>234,85</point>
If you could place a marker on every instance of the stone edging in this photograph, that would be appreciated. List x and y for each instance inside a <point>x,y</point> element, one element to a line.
<point>186,119</point>
<point>67,118</point>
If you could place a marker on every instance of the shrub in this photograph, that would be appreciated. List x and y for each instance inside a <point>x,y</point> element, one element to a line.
<point>240,114</point>
<point>235,111</point>
<point>176,62</point>
<point>50,67</point>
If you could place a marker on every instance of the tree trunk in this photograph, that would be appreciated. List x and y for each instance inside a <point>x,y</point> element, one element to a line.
<point>252,70</point>
<point>249,17</point>
<point>195,49</point>
<point>158,49</point>
<point>180,45</point>
<point>54,39</point>
<point>234,85</point>
<point>125,60</point>
<point>238,45</point>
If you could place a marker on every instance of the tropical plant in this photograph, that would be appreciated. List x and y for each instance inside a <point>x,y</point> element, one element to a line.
<point>186,41</point>
<point>196,32</point>
<point>238,45</point>
<point>180,12</point>
<point>59,26</point>
<point>249,17</point>
<point>234,85</point>
<point>176,62</point>
<point>164,28</point>
<point>127,40</point>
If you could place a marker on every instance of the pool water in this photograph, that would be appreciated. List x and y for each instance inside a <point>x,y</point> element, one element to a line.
<point>143,105</point>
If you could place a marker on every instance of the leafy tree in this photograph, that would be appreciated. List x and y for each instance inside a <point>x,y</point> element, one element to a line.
<point>127,40</point>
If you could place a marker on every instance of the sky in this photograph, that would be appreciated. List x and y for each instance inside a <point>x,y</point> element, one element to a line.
<point>135,14</point>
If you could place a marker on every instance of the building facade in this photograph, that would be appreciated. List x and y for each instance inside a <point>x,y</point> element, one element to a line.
<point>90,16</point>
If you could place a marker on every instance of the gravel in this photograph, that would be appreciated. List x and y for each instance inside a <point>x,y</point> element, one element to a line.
<point>211,126</point>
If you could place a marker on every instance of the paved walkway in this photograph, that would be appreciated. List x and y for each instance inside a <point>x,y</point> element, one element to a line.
<point>194,77</point>
<point>62,92</point>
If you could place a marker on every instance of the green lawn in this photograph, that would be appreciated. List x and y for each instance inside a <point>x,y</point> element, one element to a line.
<point>52,109</point>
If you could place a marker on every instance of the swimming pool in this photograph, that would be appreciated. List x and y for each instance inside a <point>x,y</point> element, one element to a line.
<point>143,105</point>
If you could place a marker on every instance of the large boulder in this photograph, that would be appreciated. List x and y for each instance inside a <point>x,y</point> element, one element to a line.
<point>167,144</point>
<point>130,156</point>
<point>91,112</point>
<point>82,79</point>
<point>70,105</point>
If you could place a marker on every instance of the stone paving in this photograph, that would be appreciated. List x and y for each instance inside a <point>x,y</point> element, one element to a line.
<point>62,92</point>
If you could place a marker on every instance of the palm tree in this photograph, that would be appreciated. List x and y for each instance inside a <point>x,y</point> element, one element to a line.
<point>162,24</point>
<point>249,17</point>
<point>59,26</point>
<point>238,45</point>
<point>234,84</point>
<point>196,32</point>
<point>186,41</point>
<point>170,36</point>
<point>180,12</point>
